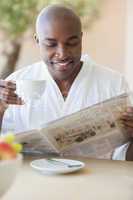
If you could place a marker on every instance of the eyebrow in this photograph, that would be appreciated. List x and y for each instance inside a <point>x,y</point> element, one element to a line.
<point>54,40</point>
<point>73,37</point>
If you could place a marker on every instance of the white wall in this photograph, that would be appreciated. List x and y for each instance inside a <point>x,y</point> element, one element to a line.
<point>106,40</point>
<point>129,43</point>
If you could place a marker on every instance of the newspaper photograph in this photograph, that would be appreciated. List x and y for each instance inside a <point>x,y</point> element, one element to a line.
<point>94,131</point>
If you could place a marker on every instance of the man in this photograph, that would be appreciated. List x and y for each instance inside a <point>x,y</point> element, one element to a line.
<point>73,82</point>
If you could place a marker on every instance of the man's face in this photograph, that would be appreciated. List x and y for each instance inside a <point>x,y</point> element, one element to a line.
<point>60,48</point>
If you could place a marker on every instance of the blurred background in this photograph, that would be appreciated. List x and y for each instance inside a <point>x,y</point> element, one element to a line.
<point>107,33</point>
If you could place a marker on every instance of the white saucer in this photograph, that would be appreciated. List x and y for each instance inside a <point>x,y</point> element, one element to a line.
<point>56,166</point>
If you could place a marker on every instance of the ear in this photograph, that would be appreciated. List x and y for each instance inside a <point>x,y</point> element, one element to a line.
<point>36,38</point>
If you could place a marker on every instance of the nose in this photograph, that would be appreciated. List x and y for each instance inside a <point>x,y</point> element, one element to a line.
<point>62,52</point>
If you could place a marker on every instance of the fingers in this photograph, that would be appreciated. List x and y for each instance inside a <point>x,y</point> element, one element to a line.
<point>128,114</point>
<point>129,111</point>
<point>128,124</point>
<point>7,93</point>
<point>127,117</point>
<point>127,120</point>
<point>13,100</point>
<point>7,84</point>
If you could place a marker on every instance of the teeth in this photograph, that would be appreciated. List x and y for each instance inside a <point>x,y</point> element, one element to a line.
<point>63,63</point>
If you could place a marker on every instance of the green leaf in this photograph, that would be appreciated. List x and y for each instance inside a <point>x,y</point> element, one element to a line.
<point>19,15</point>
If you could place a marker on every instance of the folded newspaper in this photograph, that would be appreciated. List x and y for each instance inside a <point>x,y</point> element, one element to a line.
<point>93,132</point>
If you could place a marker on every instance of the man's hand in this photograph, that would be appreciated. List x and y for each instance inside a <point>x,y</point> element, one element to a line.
<point>7,93</point>
<point>7,96</point>
<point>127,119</point>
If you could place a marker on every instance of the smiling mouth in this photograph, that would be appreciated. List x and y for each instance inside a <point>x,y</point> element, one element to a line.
<point>62,65</point>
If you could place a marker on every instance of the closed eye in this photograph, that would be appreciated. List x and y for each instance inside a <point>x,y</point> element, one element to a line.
<point>50,44</point>
<point>73,42</point>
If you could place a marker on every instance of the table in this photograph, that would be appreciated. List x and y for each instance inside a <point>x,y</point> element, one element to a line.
<point>99,180</point>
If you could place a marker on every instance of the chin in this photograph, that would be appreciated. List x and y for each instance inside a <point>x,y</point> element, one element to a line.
<point>60,77</point>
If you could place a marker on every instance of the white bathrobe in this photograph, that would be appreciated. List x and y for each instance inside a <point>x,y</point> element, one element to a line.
<point>93,84</point>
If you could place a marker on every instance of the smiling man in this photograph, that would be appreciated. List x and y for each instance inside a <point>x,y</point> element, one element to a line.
<point>59,37</point>
<point>73,81</point>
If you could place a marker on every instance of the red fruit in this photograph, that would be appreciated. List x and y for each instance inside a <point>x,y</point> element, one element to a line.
<point>6,151</point>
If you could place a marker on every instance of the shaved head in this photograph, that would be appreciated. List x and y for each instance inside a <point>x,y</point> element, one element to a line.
<point>59,35</point>
<point>56,13</point>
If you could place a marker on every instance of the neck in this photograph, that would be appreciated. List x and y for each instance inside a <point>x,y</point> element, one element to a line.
<point>65,85</point>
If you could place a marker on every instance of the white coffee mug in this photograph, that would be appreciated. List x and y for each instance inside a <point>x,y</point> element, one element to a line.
<point>30,89</point>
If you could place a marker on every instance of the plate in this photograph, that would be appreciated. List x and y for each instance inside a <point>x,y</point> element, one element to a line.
<point>56,166</point>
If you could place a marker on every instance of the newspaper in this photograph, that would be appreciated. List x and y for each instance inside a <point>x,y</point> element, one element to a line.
<point>93,132</point>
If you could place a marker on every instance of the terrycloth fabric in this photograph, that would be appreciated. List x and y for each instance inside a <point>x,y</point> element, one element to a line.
<point>120,152</point>
<point>93,84</point>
